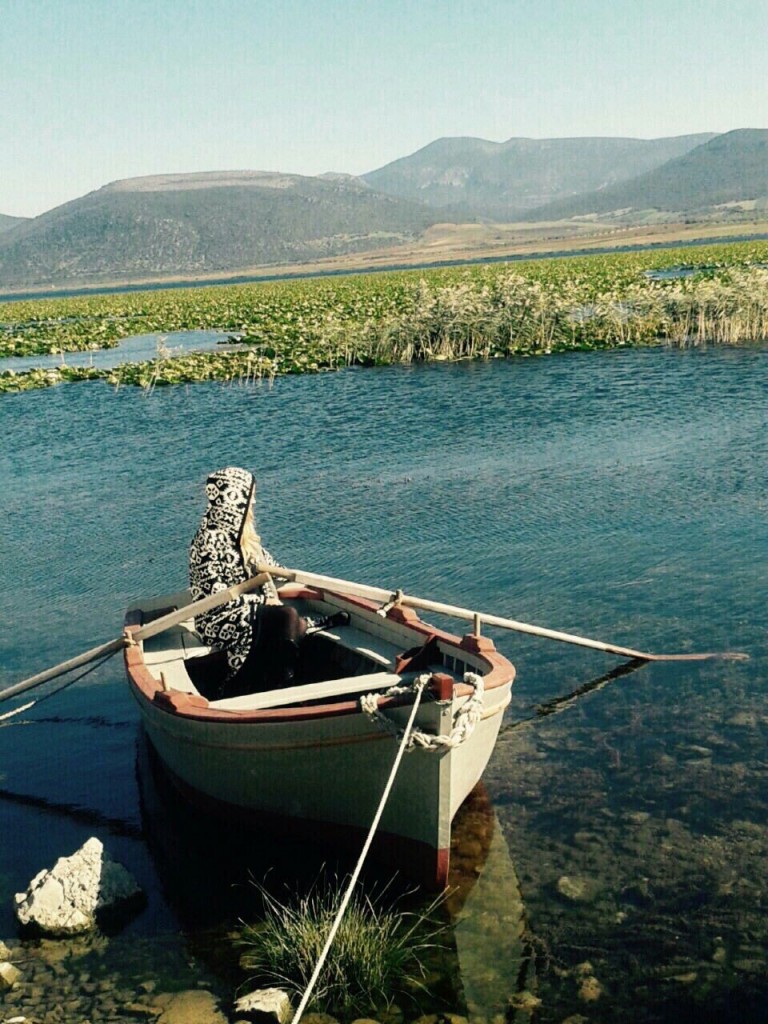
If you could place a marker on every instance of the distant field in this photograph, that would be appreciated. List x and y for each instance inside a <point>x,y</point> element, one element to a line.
<point>482,311</point>
<point>478,241</point>
<point>458,243</point>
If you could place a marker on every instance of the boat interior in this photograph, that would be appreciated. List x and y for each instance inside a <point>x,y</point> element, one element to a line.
<point>336,662</point>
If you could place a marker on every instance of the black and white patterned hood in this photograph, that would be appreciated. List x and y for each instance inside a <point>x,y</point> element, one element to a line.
<point>229,492</point>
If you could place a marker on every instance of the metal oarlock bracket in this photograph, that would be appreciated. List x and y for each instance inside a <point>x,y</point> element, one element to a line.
<point>394,599</point>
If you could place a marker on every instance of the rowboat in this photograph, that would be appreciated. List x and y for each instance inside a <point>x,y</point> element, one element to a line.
<point>312,760</point>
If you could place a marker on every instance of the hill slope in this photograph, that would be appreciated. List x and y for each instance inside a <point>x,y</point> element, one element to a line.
<point>140,228</point>
<point>729,168</point>
<point>7,222</point>
<point>502,180</point>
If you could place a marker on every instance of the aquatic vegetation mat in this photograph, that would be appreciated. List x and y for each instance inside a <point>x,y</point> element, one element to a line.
<point>717,295</point>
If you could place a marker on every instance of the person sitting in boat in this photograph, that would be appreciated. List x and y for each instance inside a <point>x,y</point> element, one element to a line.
<point>259,634</point>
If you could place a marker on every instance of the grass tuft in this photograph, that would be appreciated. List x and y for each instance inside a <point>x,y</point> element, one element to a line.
<point>378,952</point>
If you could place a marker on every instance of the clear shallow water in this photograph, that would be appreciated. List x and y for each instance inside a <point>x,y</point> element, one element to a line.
<point>618,495</point>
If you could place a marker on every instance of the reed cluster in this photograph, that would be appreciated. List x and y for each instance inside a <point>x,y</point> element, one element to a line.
<point>514,315</point>
<point>511,315</point>
<point>729,311</point>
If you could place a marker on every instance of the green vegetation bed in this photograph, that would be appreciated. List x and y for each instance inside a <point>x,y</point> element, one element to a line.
<point>526,308</point>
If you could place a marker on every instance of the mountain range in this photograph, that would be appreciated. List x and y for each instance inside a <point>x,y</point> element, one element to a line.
<point>501,181</point>
<point>728,171</point>
<point>216,222</point>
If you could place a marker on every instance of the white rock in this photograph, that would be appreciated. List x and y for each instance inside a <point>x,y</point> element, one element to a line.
<point>67,899</point>
<point>272,1001</point>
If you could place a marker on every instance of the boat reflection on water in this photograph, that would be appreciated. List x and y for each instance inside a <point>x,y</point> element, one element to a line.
<point>205,866</point>
<point>207,869</point>
<point>493,947</point>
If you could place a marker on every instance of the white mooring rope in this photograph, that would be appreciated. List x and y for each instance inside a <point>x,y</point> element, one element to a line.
<point>419,687</point>
<point>467,716</point>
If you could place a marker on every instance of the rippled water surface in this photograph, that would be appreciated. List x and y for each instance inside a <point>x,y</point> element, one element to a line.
<point>617,495</point>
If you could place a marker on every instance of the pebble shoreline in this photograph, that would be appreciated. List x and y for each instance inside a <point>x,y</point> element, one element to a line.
<point>51,988</point>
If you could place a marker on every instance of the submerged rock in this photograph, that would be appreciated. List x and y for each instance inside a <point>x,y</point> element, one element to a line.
<point>78,890</point>
<point>441,1018</point>
<point>9,975</point>
<point>525,1001</point>
<point>576,888</point>
<point>194,1006</point>
<point>590,989</point>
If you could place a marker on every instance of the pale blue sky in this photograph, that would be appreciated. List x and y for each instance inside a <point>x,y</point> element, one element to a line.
<point>96,90</point>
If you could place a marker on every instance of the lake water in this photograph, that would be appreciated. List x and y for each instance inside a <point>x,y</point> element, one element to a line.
<point>618,495</point>
<point>135,349</point>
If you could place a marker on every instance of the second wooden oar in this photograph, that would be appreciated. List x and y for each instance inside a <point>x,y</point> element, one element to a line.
<point>379,594</point>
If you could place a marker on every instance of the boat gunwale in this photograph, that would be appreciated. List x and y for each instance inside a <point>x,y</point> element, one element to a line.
<point>145,687</point>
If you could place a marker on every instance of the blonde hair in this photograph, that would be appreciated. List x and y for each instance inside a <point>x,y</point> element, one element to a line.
<point>250,541</point>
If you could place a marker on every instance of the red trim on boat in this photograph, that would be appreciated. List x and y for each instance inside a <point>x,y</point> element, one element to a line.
<point>442,685</point>
<point>402,613</point>
<point>172,700</point>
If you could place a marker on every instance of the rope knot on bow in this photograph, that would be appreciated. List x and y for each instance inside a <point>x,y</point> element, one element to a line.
<point>464,722</point>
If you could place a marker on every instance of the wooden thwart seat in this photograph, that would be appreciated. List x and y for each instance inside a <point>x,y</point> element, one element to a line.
<point>311,691</point>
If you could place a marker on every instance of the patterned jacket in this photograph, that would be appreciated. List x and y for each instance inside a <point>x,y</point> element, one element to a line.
<point>216,563</point>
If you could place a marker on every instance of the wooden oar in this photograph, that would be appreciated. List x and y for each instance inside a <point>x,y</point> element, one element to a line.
<point>379,594</point>
<point>143,633</point>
